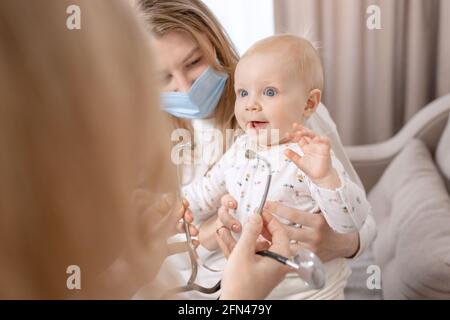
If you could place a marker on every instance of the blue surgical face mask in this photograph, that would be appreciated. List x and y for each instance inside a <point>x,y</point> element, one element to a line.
<point>201,101</point>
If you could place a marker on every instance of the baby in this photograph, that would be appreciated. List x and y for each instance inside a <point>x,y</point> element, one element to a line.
<point>279,82</point>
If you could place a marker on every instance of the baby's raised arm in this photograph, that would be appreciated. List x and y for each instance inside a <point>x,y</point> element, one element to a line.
<point>345,208</point>
<point>342,202</point>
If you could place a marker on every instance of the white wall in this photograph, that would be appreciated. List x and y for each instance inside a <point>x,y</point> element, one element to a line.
<point>246,21</point>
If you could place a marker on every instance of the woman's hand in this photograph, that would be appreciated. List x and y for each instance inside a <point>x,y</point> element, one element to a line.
<point>224,223</point>
<point>257,276</point>
<point>315,233</point>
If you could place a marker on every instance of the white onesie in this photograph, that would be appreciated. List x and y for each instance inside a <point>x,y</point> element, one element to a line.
<point>345,208</point>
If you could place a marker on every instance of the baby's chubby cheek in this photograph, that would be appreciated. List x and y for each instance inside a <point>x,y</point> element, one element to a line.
<point>283,126</point>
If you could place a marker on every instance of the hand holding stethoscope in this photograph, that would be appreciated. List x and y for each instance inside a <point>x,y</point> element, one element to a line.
<point>305,263</point>
<point>250,276</point>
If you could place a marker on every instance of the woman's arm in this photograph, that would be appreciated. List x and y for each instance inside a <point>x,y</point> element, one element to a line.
<point>315,235</point>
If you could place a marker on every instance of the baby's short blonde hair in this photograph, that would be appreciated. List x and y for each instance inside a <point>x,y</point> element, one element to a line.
<point>298,52</point>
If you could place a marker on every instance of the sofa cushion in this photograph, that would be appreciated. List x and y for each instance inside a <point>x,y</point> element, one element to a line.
<point>443,154</point>
<point>412,209</point>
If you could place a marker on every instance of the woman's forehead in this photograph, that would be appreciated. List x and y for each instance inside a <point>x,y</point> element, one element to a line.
<point>176,47</point>
<point>173,49</point>
<point>175,42</point>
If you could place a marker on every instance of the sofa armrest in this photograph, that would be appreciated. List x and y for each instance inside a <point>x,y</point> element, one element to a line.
<point>370,161</point>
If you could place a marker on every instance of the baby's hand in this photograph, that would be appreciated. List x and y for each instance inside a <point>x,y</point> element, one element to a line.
<point>316,160</point>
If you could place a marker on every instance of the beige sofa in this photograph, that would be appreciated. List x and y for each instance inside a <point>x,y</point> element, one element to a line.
<point>408,181</point>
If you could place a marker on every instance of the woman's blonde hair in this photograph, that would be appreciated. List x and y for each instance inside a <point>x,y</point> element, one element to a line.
<point>77,115</point>
<point>194,18</point>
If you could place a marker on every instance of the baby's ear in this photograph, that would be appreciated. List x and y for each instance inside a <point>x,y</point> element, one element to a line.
<point>312,102</point>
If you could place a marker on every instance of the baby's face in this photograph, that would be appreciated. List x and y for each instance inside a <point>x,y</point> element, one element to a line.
<point>268,94</point>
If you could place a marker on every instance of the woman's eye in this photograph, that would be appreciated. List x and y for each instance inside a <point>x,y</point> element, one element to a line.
<point>195,62</point>
<point>242,93</point>
<point>270,92</point>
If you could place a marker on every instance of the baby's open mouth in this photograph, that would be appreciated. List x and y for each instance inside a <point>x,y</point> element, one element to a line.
<point>257,124</point>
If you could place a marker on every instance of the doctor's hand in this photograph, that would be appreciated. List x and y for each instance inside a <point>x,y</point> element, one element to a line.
<point>158,218</point>
<point>164,214</point>
<point>257,275</point>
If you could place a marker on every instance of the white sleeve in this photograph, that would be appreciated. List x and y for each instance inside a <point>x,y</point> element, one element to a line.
<point>204,194</point>
<point>345,208</point>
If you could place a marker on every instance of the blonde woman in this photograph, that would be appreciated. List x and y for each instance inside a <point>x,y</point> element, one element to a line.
<point>78,109</point>
<point>192,46</point>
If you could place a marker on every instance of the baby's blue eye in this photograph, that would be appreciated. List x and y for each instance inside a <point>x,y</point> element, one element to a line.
<point>270,92</point>
<point>243,93</point>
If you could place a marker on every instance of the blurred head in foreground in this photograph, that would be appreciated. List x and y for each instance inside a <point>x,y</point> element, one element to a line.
<point>78,120</point>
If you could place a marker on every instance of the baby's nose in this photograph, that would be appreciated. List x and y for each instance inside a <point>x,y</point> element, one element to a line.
<point>253,108</point>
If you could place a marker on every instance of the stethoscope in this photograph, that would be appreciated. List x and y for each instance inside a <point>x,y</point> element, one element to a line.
<point>305,263</point>
<point>193,256</point>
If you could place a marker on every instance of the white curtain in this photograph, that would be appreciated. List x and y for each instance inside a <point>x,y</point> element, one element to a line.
<point>376,80</point>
